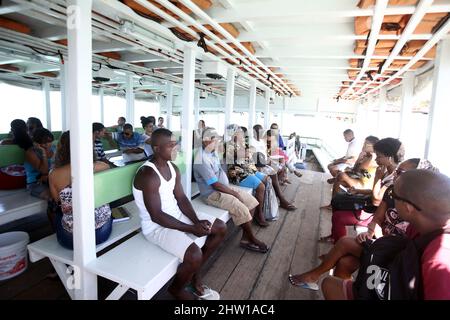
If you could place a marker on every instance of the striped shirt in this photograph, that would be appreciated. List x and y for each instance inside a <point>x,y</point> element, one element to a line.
<point>98,148</point>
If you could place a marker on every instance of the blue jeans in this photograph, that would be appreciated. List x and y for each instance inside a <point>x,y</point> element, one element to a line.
<point>65,238</point>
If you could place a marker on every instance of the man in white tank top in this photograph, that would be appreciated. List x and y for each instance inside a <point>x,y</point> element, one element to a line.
<point>169,221</point>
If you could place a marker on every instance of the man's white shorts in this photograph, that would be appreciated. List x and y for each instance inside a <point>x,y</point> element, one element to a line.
<point>176,242</point>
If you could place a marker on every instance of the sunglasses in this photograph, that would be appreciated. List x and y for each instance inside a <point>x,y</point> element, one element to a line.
<point>399,171</point>
<point>397,197</point>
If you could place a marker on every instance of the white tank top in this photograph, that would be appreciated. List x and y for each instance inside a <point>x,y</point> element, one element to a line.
<point>169,204</point>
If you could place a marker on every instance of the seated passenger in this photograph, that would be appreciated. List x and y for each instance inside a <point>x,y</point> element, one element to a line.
<point>169,221</point>
<point>390,153</point>
<point>277,134</point>
<point>161,122</point>
<point>119,126</point>
<point>216,191</point>
<point>148,126</point>
<point>32,125</point>
<point>349,159</point>
<point>344,256</point>
<point>14,176</point>
<point>245,174</point>
<point>276,157</point>
<point>130,143</point>
<point>99,132</point>
<point>60,180</point>
<point>362,172</point>
<point>259,143</point>
<point>421,198</point>
<point>38,162</point>
<point>198,134</point>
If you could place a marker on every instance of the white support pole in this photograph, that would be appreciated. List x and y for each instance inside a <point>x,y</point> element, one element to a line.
<point>187,125</point>
<point>64,106</point>
<point>267,110</point>
<point>68,95</point>
<point>229,99</point>
<point>438,128</point>
<point>79,32</point>
<point>281,124</point>
<point>169,105</point>
<point>129,89</point>
<point>252,108</point>
<point>47,107</point>
<point>406,107</point>
<point>381,111</point>
<point>196,108</point>
<point>102,104</point>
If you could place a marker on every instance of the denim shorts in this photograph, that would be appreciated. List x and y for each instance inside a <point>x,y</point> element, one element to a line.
<point>253,181</point>
<point>65,238</point>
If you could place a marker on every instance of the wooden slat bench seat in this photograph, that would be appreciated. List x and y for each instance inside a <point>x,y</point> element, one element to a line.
<point>322,157</point>
<point>19,204</point>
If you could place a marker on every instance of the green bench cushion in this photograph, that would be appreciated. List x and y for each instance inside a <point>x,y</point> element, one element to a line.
<point>113,184</point>
<point>11,154</point>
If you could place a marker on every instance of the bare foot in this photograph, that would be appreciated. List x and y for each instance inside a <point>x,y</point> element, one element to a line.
<point>288,206</point>
<point>304,277</point>
<point>261,222</point>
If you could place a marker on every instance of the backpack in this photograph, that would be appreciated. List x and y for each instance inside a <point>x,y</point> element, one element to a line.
<point>390,268</point>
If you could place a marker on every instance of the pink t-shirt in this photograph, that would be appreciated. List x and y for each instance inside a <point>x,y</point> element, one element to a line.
<point>436,269</point>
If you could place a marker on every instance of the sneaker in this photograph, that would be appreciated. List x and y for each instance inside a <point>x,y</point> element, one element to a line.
<point>208,294</point>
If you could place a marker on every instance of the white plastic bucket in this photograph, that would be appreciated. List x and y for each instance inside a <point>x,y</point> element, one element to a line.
<point>13,254</point>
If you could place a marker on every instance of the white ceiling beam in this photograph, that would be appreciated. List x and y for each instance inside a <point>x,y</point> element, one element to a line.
<point>53,33</point>
<point>274,34</point>
<point>438,35</point>
<point>163,65</point>
<point>202,15</point>
<point>317,53</point>
<point>140,57</point>
<point>41,68</point>
<point>377,20</point>
<point>307,11</point>
<point>110,46</point>
<point>7,9</point>
<point>413,22</point>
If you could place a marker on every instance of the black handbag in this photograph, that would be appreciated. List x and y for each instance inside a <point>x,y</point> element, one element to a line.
<point>343,201</point>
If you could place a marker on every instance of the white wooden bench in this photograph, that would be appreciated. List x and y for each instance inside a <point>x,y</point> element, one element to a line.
<point>323,158</point>
<point>143,266</point>
<point>61,257</point>
<point>19,204</point>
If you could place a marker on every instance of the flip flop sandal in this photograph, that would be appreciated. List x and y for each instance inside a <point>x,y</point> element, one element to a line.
<point>290,207</point>
<point>305,285</point>
<point>253,247</point>
<point>327,239</point>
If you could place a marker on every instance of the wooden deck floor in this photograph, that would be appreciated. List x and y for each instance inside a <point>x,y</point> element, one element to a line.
<point>239,274</point>
<point>236,273</point>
